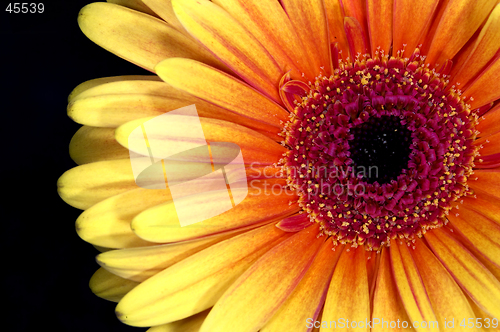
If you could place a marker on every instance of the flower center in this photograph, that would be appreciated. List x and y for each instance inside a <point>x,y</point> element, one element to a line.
<point>380,150</point>
<point>381,143</point>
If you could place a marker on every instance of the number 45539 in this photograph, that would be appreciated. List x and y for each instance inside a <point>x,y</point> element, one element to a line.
<point>25,8</point>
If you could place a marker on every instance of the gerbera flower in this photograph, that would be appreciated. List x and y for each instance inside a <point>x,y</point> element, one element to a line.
<point>369,135</point>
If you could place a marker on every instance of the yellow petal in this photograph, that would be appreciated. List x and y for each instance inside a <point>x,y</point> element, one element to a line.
<point>255,296</point>
<point>387,306</point>
<point>139,264</point>
<point>261,17</point>
<point>112,104</point>
<point>348,295</point>
<point>161,224</point>
<point>219,32</point>
<point>107,223</point>
<point>190,324</point>
<point>222,90</point>
<point>468,272</point>
<point>484,318</point>
<point>485,48</point>
<point>135,5</point>
<point>86,185</point>
<point>110,287</point>
<point>441,288</point>
<point>459,22</point>
<point>420,14</point>
<point>255,147</point>
<point>91,144</point>
<point>410,286</point>
<point>163,8</point>
<point>137,37</point>
<point>380,17</point>
<point>306,301</point>
<point>82,87</point>
<point>197,282</point>
<point>308,17</point>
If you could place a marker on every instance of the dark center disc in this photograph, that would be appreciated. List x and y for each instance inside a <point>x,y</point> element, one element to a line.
<point>380,148</point>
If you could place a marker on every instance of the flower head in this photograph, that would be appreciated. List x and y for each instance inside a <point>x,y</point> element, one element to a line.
<point>368,133</point>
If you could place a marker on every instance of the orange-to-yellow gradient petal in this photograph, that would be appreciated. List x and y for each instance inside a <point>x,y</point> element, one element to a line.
<point>229,41</point>
<point>410,286</point>
<point>137,37</point>
<point>306,301</point>
<point>197,282</point>
<point>469,273</point>
<point>348,294</point>
<point>222,90</point>
<point>265,286</point>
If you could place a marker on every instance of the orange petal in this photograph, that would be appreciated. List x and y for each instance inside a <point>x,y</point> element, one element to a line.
<point>441,288</point>
<point>231,42</point>
<point>410,285</point>
<point>222,90</point>
<point>358,44</point>
<point>435,19</point>
<point>91,144</point>
<point>489,144</point>
<point>490,122</point>
<point>485,48</point>
<point>357,9</point>
<point>486,181</point>
<point>306,301</point>
<point>485,204</point>
<point>161,224</point>
<point>336,32</point>
<point>380,18</point>
<point>261,18</point>
<point>348,296</point>
<point>420,14</point>
<point>386,302</point>
<point>308,17</point>
<point>486,87</point>
<point>197,282</point>
<point>459,22</point>
<point>137,37</point>
<point>135,5</point>
<point>295,223</point>
<point>252,300</point>
<point>468,272</point>
<point>479,231</point>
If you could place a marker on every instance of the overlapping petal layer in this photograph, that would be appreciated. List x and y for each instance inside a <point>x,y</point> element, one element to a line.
<point>228,58</point>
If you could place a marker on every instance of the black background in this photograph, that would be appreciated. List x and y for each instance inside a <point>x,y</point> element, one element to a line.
<point>45,265</point>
